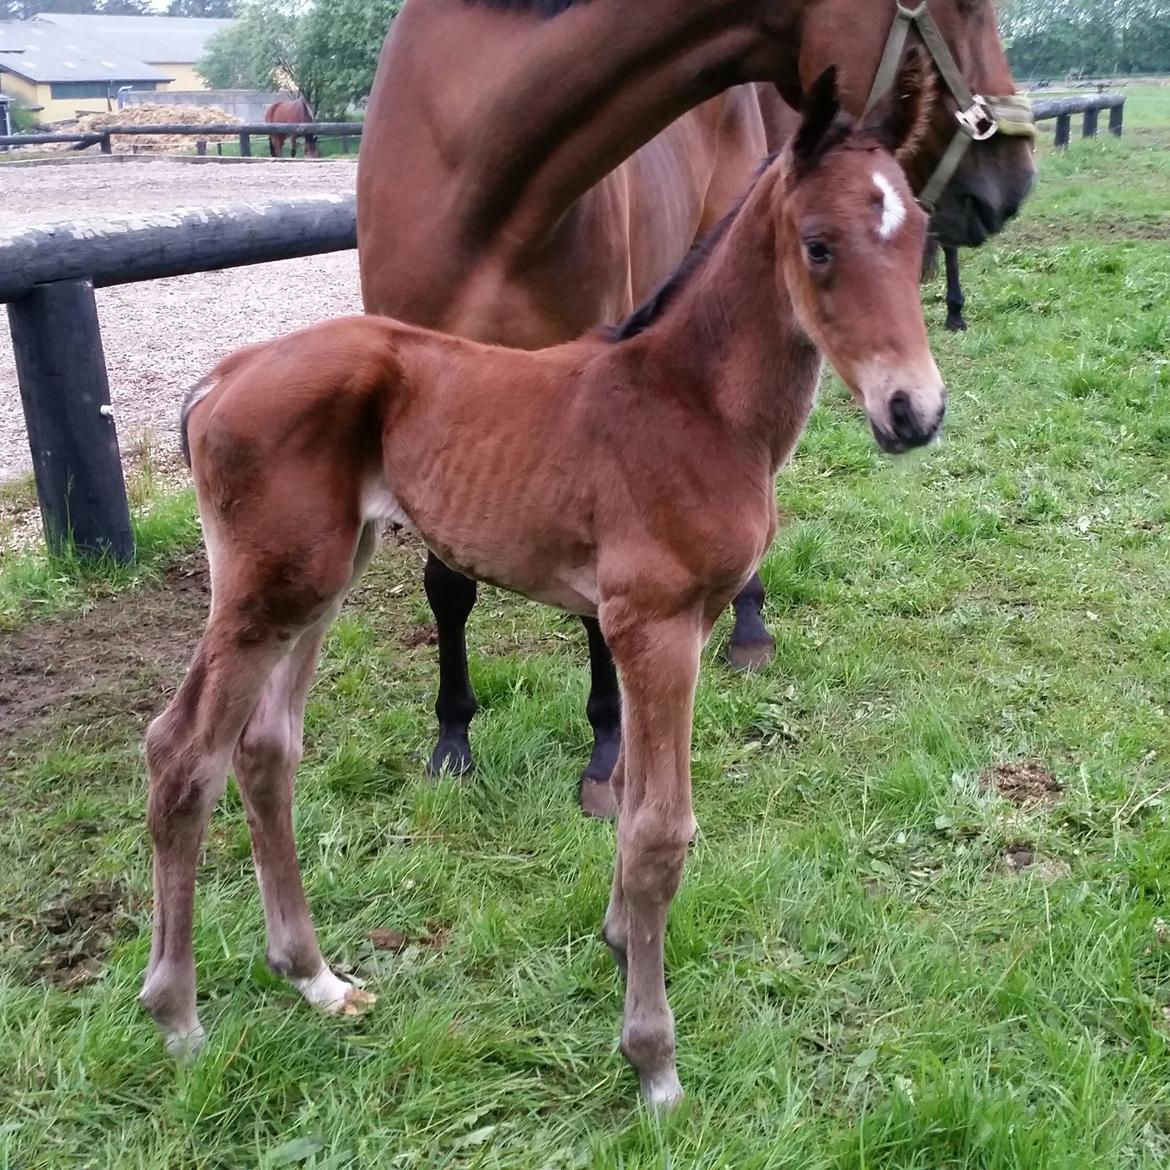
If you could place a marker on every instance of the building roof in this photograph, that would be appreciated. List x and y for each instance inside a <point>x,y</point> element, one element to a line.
<point>167,40</point>
<point>67,47</point>
<point>39,52</point>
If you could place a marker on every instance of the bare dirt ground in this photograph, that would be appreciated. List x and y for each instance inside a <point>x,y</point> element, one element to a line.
<point>163,335</point>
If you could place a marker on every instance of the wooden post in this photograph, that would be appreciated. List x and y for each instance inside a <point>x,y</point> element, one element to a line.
<point>344,144</point>
<point>1117,120</point>
<point>105,146</point>
<point>1089,130</point>
<point>61,370</point>
<point>219,149</point>
<point>1063,131</point>
<point>245,146</point>
<point>201,146</point>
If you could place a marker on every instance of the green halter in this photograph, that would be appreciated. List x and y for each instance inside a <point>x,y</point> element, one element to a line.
<point>978,117</point>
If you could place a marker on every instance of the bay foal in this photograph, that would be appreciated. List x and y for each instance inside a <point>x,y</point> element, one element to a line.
<point>301,449</point>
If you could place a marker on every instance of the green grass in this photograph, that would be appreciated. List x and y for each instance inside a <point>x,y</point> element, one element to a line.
<point>859,983</point>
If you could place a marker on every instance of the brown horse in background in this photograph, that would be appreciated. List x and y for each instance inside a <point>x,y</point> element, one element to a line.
<point>291,110</point>
<point>629,476</point>
<point>489,205</point>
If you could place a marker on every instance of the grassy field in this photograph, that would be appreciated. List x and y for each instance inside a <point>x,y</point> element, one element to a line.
<point>925,921</point>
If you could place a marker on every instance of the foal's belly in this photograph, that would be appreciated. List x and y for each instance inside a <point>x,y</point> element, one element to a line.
<point>554,567</point>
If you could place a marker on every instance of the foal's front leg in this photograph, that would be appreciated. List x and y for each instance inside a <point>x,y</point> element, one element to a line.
<point>658,660</point>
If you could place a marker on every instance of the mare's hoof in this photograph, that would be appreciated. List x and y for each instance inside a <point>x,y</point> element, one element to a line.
<point>956,323</point>
<point>597,799</point>
<point>662,1092</point>
<point>751,657</point>
<point>451,757</point>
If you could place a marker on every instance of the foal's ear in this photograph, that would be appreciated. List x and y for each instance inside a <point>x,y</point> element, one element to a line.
<point>900,120</point>
<point>822,124</point>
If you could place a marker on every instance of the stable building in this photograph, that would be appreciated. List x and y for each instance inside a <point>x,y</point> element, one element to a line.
<point>60,64</point>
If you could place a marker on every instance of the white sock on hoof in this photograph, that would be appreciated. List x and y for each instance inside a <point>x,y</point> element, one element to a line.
<point>331,995</point>
<point>663,1091</point>
<point>184,1043</point>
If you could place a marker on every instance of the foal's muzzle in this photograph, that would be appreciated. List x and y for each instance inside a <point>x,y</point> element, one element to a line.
<point>907,427</point>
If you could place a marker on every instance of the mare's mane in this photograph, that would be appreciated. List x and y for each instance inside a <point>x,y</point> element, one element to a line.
<point>543,8</point>
<point>653,309</point>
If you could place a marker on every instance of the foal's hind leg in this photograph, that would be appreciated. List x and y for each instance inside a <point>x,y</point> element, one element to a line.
<point>187,751</point>
<point>266,760</point>
<point>751,647</point>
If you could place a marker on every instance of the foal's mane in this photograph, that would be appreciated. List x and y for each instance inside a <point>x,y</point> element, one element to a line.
<point>543,8</point>
<point>652,310</point>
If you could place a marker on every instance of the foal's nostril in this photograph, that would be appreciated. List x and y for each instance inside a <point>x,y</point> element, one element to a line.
<point>903,418</point>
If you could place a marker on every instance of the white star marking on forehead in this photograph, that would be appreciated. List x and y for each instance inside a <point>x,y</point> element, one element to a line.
<point>893,209</point>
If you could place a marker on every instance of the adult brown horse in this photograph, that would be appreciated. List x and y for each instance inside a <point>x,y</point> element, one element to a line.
<point>291,110</point>
<point>489,206</point>
<point>629,475</point>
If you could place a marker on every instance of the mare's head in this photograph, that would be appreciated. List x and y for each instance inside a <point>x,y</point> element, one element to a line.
<point>850,243</point>
<point>996,174</point>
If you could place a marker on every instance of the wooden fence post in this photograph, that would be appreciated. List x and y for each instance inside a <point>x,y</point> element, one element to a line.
<point>105,146</point>
<point>1063,131</point>
<point>245,146</point>
<point>1117,120</point>
<point>1089,130</point>
<point>201,146</point>
<point>65,391</point>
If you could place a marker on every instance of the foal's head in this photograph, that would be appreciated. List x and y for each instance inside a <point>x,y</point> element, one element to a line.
<point>850,241</point>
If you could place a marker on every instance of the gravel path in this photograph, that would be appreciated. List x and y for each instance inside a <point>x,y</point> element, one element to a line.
<point>163,335</point>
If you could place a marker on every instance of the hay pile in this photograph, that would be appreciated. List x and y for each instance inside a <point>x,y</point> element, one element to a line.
<point>157,115</point>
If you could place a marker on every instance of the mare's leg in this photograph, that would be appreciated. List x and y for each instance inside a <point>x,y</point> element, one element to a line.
<point>266,759</point>
<point>751,646</point>
<point>658,660</point>
<point>956,323</point>
<point>604,709</point>
<point>451,597</point>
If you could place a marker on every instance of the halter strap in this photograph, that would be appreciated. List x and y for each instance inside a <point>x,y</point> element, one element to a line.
<point>978,117</point>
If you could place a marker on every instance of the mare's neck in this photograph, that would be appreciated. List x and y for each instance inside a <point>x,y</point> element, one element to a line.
<point>546,108</point>
<point>731,339</point>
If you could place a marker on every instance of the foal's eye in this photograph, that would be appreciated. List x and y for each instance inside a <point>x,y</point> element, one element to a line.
<point>818,252</point>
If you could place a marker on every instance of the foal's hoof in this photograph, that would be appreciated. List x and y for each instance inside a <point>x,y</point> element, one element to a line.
<point>662,1092</point>
<point>184,1044</point>
<point>751,657</point>
<point>597,799</point>
<point>333,996</point>
<point>451,757</point>
<point>956,323</point>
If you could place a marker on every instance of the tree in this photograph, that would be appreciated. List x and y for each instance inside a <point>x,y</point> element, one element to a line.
<point>215,8</point>
<point>258,50</point>
<point>338,44</point>
<point>328,52</point>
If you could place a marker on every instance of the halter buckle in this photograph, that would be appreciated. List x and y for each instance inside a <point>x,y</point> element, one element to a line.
<point>979,122</point>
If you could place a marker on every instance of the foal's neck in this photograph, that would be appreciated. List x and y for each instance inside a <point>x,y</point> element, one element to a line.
<point>731,338</point>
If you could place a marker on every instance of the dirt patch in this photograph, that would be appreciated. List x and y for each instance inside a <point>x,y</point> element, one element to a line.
<point>1026,783</point>
<point>1038,234</point>
<point>117,659</point>
<point>1021,859</point>
<point>75,934</point>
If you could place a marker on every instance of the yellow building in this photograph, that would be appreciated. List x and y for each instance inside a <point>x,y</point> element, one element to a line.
<point>60,64</point>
